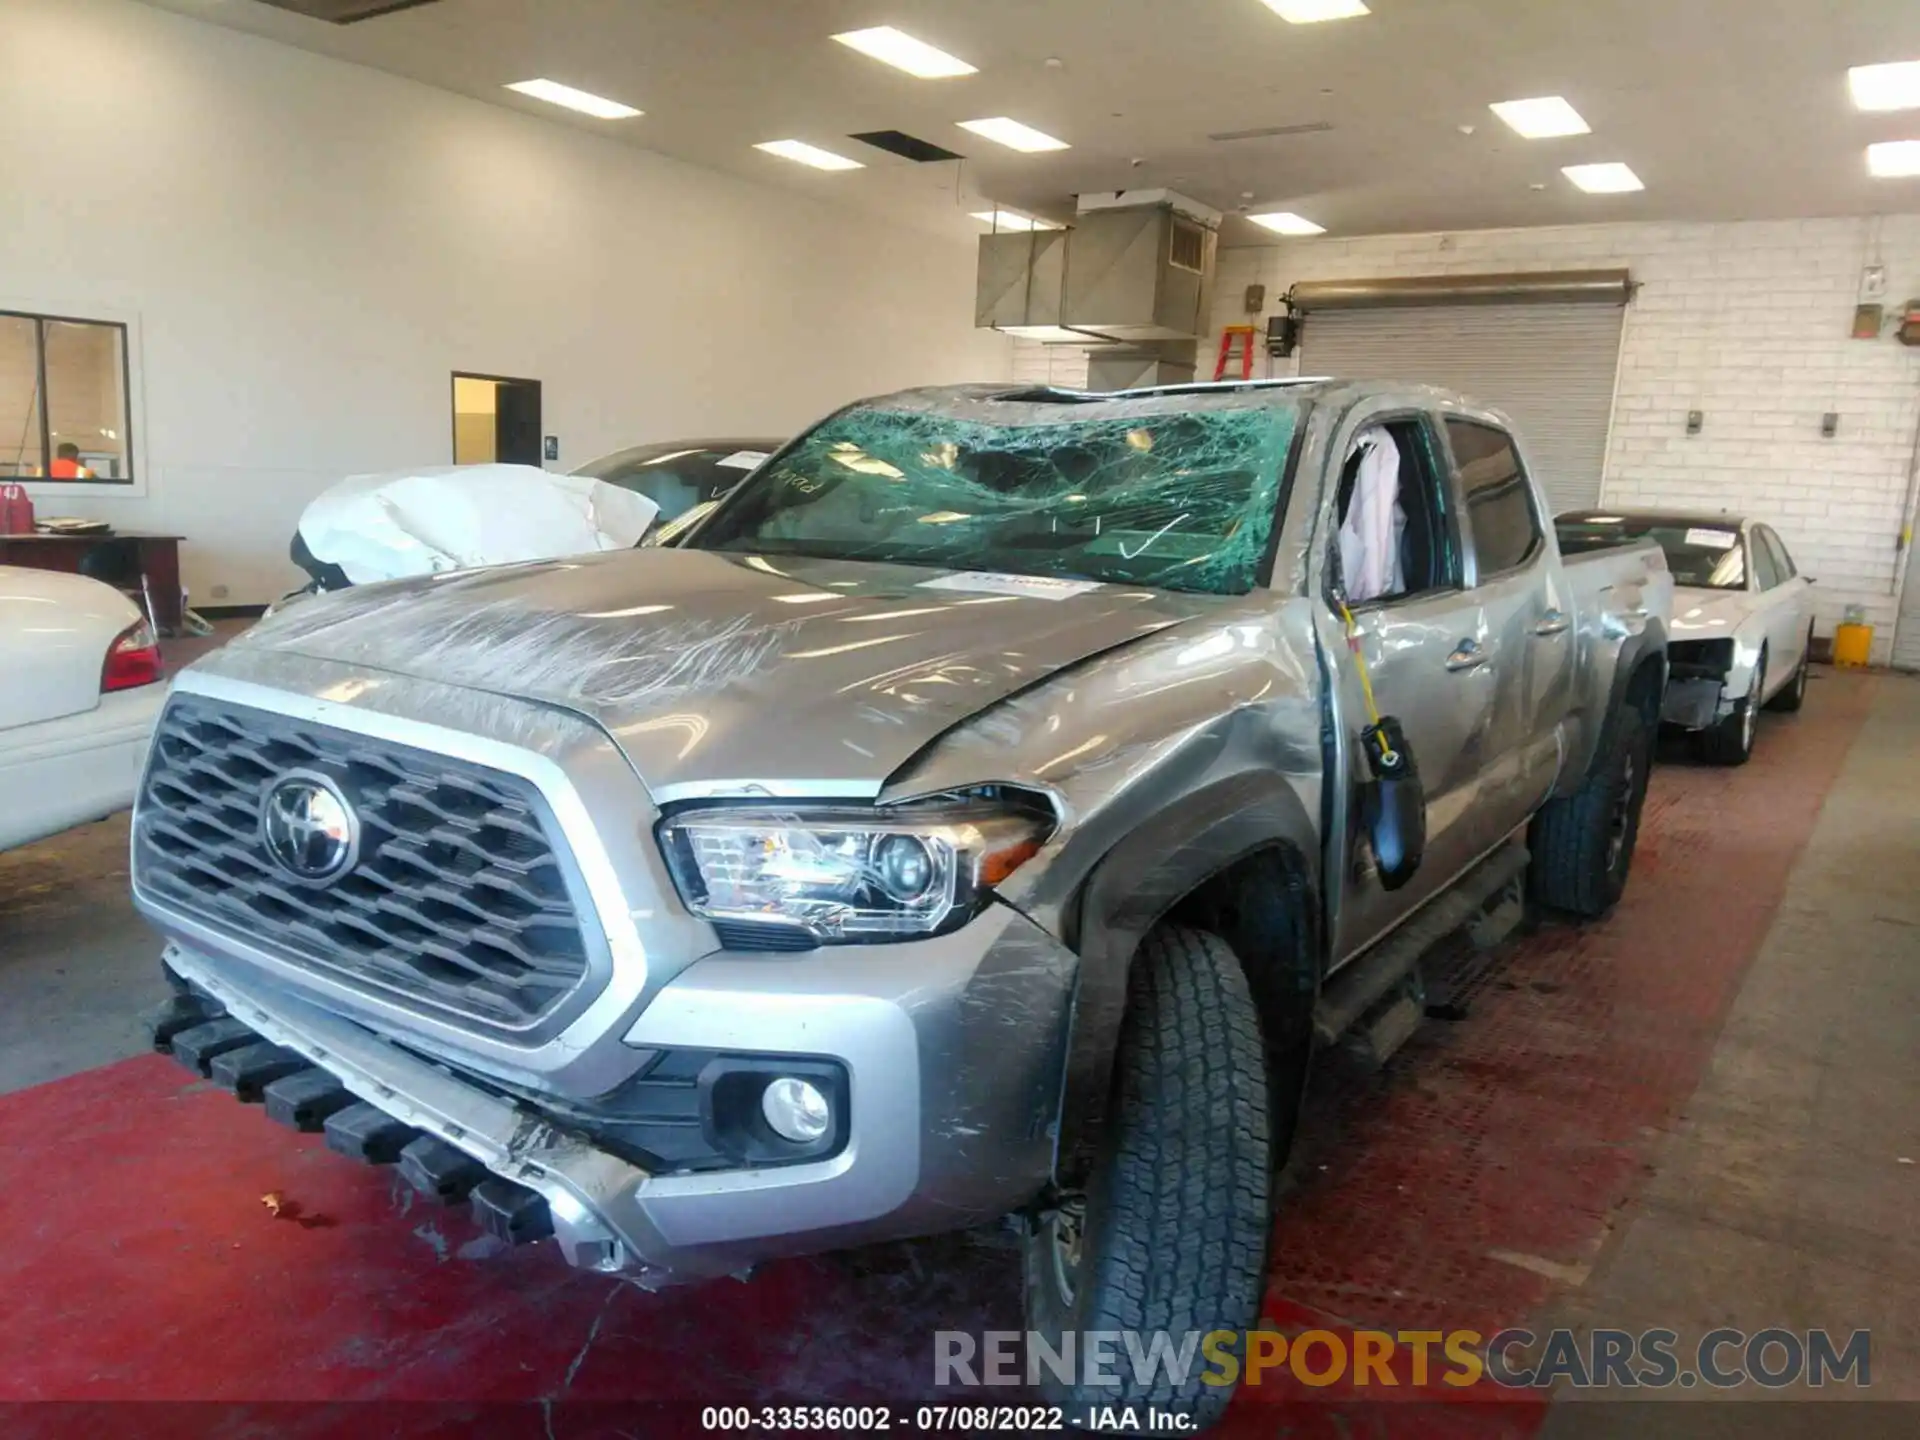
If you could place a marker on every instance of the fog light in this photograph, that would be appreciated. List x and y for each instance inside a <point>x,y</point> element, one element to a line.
<point>796,1110</point>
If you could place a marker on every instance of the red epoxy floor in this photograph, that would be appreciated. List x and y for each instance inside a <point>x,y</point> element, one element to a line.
<point>141,1264</point>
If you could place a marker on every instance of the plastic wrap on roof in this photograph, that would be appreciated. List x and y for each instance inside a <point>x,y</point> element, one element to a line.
<point>1174,499</point>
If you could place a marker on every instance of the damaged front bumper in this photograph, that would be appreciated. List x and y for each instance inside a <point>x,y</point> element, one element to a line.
<point>952,1048</point>
<point>1695,703</point>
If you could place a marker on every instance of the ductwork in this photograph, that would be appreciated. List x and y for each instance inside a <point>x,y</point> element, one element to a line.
<point>1136,268</point>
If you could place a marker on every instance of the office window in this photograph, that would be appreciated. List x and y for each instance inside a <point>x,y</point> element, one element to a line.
<point>1506,532</point>
<point>63,399</point>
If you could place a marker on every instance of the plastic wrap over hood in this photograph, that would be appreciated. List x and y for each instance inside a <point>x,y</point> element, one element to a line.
<point>731,674</point>
<point>419,522</point>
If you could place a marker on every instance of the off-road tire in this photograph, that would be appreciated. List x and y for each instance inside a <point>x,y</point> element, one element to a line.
<point>1794,693</point>
<point>1177,1209</point>
<point>1730,742</point>
<point>1582,844</point>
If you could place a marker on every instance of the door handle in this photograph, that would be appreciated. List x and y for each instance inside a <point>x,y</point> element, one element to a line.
<point>1467,656</point>
<point>1554,622</point>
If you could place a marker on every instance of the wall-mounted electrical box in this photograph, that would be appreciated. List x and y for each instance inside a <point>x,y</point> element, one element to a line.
<point>1909,331</point>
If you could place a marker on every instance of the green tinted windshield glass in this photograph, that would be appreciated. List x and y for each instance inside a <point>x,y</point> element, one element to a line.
<point>1181,501</point>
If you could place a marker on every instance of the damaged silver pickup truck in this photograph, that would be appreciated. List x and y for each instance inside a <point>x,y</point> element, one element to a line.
<point>989,810</point>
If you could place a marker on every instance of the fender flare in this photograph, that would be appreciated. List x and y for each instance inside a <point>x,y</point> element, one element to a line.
<point>1164,858</point>
<point>1634,650</point>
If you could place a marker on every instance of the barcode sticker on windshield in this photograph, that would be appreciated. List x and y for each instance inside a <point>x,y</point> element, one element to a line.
<point>983,582</point>
<point>1713,539</point>
<point>743,460</point>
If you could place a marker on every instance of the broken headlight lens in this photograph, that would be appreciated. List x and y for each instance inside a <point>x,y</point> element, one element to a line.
<point>848,875</point>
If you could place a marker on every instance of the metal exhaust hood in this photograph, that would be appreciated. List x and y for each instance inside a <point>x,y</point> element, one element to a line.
<point>1136,268</point>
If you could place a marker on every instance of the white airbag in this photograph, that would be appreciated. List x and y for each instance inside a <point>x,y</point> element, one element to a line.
<point>417,522</point>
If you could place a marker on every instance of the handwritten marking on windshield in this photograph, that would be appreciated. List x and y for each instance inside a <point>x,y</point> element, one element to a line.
<point>1147,543</point>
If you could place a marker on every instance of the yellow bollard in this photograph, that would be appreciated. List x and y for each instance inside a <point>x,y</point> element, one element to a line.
<point>1852,645</point>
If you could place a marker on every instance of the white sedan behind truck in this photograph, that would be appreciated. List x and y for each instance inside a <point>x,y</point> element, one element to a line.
<point>80,688</point>
<point>1742,620</point>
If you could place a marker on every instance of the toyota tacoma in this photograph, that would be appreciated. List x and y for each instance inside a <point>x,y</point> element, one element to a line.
<point>990,810</point>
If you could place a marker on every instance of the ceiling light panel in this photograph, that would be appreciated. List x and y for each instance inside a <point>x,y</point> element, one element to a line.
<point>1285,222</point>
<point>903,52</point>
<point>1013,135</point>
<point>1612,178</point>
<point>1312,12</point>
<point>1886,87</point>
<point>1545,118</point>
<point>1894,159</point>
<point>554,93</point>
<point>805,154</point>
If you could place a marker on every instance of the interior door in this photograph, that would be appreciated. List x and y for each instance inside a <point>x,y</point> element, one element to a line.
<point>1420,644</point>
<point>516,433</point>
<point>1528,652</point>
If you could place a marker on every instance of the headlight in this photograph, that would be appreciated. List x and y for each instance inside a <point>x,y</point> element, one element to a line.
<point>848,875</point>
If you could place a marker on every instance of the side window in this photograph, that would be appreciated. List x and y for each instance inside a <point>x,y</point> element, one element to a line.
<point>1766,569</point>
<point>1777,548</point>
<point>1393,538</point>
<point>1500,517</point>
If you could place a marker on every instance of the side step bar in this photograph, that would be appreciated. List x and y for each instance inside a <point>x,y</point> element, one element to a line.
<point>1362,983</point>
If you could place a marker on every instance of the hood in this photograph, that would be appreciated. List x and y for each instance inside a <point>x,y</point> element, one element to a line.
<point>1708,614</point>
<point>719,673</point>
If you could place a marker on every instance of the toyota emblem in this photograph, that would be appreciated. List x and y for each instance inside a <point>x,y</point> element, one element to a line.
<point>309,828</point>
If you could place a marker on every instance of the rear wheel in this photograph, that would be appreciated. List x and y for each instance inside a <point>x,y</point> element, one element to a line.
<point>1731,741</point>
<point>1171,1234</point>
<point>1794,694</point>
<point>1582,844</point>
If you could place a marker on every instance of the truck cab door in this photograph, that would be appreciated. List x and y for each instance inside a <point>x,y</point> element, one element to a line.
<point>1420,640</point>
<point>1513,570</point>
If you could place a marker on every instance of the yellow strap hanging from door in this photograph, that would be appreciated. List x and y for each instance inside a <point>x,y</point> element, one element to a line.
<point>1366,677</point>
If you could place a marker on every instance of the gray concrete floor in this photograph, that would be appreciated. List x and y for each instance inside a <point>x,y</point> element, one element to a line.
<point>1790,1193</point>
<point>78,969</point>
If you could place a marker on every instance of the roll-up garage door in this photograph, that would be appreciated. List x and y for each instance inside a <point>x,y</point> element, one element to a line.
<point>1549,366</point>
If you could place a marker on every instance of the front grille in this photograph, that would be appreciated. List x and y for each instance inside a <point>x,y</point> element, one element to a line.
<point>458,903</point>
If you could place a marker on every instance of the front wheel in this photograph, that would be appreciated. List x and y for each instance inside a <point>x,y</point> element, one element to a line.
<point>1731,741</point>
<point>1582,844</point>
<point>1171,1234</point>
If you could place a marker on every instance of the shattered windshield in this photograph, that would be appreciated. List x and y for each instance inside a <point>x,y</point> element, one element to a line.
<point>1177,501</point>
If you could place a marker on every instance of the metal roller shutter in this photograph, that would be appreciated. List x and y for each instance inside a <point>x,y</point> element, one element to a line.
<point>1551,367</point>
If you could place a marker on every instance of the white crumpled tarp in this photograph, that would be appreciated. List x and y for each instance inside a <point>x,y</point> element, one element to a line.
<point>417,522</point>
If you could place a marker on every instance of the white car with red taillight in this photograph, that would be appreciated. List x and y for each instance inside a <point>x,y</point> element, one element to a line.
<point>80,689</point>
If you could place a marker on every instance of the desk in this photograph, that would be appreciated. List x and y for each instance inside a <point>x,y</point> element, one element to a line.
<point>159,562</point>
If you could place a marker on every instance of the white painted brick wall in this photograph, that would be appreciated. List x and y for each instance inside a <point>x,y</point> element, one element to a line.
<point>1037,364</point>
<point>1747,322</point>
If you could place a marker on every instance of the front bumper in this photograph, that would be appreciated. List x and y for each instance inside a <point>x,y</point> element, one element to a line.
<point>952,1047</point>
<point>1694,703</point>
